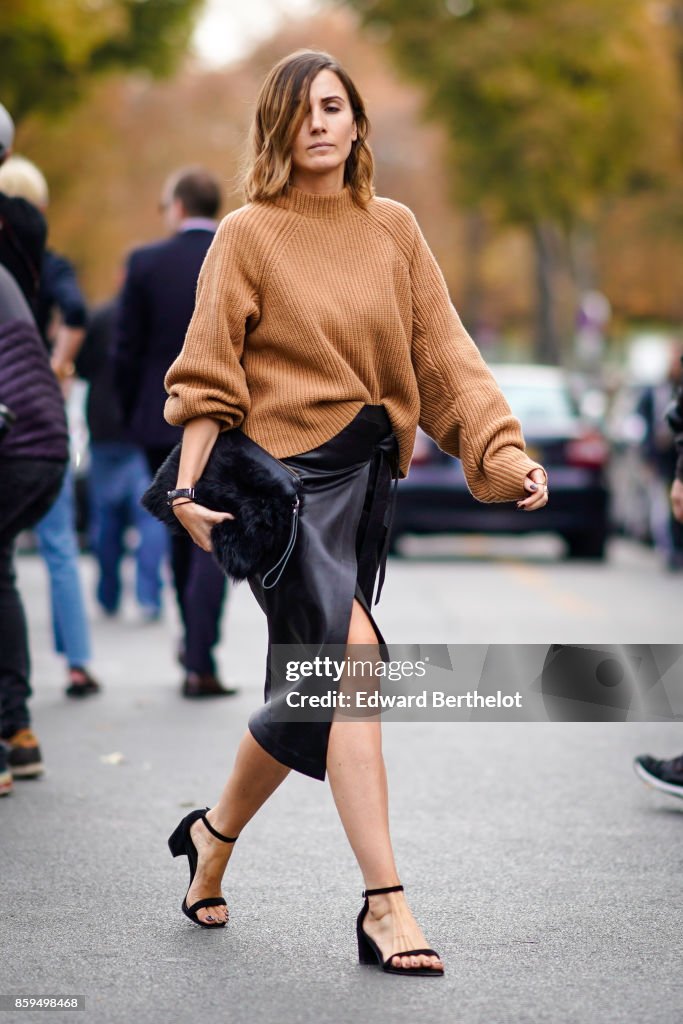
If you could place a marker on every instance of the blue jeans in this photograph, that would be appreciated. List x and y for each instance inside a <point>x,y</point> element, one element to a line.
<point>118,478</point>
<point>58,545</point>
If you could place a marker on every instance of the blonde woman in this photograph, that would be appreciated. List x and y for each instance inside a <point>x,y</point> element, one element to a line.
<point>323,329</point>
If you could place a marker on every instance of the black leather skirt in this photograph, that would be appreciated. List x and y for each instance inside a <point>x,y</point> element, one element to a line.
<point>341,546</point>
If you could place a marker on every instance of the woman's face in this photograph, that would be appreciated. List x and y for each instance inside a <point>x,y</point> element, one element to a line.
<point>325,137</point>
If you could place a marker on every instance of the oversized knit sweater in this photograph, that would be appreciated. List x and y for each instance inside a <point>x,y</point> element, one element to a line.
<point>309,307</point>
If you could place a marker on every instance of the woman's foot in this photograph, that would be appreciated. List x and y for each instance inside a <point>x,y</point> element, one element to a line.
<point>390,923</point>
<point>212,858</point>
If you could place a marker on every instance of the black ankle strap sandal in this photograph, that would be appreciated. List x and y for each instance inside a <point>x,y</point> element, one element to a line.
<point>370,953</point>
<point>180,843</point>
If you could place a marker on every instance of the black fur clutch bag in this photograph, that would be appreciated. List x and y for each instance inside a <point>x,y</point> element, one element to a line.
<point>261,492</point>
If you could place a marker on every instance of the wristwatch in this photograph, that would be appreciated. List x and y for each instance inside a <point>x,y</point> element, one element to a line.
<point>180,492</point>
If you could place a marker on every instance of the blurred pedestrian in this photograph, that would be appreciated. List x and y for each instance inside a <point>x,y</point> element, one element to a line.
<point>659,452</point>
<point>666,775</point>
<point>324,331</point>
<point>33,456</point>
<point>156,306</point>
<point>675,421</point>
<point>59,293</point>
<point>23,229</point>
<point>117,479</point>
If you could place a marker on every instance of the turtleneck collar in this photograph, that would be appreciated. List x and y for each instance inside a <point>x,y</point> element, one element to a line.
<point>310,204</point>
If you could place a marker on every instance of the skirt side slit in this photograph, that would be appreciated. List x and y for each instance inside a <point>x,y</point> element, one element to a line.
<point>341,542</point>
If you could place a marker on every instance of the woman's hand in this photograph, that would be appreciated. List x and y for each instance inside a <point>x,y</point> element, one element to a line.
<point>198,521</point>
<point>537,483</point>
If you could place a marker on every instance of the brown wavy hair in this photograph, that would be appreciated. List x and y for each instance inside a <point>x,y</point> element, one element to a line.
<point>280,110</point>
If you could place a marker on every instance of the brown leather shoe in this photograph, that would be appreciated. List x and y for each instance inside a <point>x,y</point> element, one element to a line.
<point>24,759</point>
<point>205,684</point>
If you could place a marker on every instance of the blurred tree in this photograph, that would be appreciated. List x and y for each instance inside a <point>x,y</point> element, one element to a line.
<point>550,108</point>
<point>107,158</point>
<point>50,48</point>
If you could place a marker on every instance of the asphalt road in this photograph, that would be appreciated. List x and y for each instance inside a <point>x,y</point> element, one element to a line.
<point>543,871</point>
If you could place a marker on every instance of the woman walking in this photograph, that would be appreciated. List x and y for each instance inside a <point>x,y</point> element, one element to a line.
<point>324,330</point>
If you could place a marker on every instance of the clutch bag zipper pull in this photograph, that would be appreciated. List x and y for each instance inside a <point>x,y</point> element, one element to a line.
<point>282,561</point>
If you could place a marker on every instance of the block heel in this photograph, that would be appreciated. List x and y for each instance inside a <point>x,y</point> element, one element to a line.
<point>176,841</point>
<point>370,953</point>
<point>366,954</point>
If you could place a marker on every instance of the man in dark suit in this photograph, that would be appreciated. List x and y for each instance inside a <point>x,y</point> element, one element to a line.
<point>154,311</point>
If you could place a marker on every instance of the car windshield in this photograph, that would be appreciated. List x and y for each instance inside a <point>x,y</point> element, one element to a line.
<point>551,406</point>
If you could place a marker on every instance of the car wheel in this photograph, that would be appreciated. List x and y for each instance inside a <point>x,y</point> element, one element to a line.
<point>591,544</point>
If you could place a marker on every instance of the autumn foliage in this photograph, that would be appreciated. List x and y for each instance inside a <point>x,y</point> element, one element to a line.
<point>107,157</point>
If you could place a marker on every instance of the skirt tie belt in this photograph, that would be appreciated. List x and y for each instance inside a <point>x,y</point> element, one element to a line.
<point>384,473</point>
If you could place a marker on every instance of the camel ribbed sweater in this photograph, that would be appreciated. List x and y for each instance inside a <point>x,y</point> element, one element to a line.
<point>308,308</point>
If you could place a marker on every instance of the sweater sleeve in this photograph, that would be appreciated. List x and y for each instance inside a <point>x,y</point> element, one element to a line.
<point>207,378</point>
<point>461,405</point>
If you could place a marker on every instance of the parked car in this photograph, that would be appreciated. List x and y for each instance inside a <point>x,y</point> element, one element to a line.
<point>434,497</point>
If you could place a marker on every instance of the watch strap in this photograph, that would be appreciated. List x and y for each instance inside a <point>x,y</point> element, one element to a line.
<point>180,492</point>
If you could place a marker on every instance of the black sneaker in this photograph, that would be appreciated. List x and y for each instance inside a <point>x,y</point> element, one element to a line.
<point>23,755</point>
<point>664,775</point>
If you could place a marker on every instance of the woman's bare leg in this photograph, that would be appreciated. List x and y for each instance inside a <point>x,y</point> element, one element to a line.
<point>358,780</point>
<point>255,775</point>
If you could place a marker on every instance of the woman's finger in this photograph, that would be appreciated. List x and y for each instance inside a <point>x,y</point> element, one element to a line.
<point>538,499</point>
<point>198,514</point>
<point>540,492</point>
<point>199,522</point>
<point>536,481</point>
<point>194,511</point>
<point>219,517</point>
